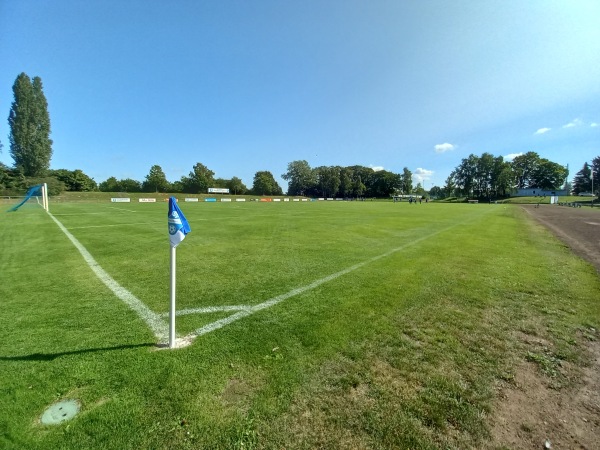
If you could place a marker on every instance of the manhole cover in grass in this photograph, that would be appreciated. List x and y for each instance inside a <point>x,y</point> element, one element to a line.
<point>59,412</point>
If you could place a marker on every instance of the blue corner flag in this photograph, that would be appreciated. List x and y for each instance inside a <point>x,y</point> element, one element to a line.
<point>178,224</point>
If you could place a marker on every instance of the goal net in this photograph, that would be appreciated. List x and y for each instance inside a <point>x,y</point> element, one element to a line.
<point>35,194</point>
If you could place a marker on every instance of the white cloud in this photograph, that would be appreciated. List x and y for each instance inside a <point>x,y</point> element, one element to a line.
<point>542,130</point>
<point>512,156</point>
<point>421,175</point>
<point>445,147</point>
<point>376,168</point>
<point>593,124</point>
<point>573,123</point>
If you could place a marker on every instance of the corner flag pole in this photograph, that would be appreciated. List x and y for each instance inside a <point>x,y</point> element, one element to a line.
<point>178,228</point>
<point>172,297</point>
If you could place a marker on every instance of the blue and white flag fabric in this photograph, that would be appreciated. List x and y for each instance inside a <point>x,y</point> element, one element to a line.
<point>178,224</point>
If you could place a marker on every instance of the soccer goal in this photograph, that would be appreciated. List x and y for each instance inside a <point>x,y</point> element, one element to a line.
<point>37,193</point>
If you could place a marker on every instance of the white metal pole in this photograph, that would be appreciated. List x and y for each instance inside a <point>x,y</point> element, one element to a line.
<point>172,296</point>
<point>45,197</point>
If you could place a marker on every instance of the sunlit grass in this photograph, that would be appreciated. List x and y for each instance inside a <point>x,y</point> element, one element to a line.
<point>402,352</point>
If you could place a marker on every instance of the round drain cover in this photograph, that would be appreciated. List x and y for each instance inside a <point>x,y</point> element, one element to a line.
<point>61,411</point>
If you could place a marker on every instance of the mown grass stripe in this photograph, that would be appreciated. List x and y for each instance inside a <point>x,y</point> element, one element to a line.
<point>294,292</point>
<point>158,326</point>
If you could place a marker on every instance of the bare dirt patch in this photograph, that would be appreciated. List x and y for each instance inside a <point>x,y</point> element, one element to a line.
<point>578,228</point>
<point>530,409</point>
<point>236,392</point>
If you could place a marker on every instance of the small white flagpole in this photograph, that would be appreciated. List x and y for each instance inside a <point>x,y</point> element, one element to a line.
<point>172,307</point>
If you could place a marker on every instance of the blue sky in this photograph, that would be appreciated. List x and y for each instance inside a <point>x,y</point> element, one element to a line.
<point>244,86</point>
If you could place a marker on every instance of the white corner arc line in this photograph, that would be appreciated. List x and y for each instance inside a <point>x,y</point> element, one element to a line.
<point>158,326</point>
<point>275,300</point>
<point>209,309</point>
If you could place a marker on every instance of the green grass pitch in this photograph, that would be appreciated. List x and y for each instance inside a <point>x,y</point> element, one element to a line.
<point>396,322</point>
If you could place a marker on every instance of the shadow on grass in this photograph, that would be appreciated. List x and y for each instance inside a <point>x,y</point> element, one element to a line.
<point>53,356</point>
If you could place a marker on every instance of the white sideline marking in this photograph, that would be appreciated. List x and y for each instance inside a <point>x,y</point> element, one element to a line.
<point>158,326</point>
<point>275,300</point>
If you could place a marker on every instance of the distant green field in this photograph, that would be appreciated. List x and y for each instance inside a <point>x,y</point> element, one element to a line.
<point>384,325</point>
<point>586,201</point>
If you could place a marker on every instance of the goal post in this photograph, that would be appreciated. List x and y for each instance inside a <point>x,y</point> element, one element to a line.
<point>39,192</point>
<point>45,197</point>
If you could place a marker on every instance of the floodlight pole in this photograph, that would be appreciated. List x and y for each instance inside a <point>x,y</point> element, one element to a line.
<point>172,297</point>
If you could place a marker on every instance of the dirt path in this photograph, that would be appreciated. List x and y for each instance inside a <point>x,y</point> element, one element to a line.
<point>529,411</point>
<point>579,228</point>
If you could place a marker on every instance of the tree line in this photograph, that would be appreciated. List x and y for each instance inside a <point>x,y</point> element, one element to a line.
<point>488,176</point>
<point>485,176</point>
<point>197,181</point>
<point>346,182</point>
<point>587,180</point>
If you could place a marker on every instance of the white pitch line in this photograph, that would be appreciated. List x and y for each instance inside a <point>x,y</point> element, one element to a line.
<point>158,326</point>
<point>275,300</point>
<point>209,309</point>
<point>76,214</point>
<point>122,209</point>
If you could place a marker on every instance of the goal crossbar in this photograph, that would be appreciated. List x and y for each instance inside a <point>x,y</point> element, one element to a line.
<point>39,190</point>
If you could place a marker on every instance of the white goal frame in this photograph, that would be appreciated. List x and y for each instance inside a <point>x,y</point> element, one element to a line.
<point>45,197</point>
<point>42,195</point>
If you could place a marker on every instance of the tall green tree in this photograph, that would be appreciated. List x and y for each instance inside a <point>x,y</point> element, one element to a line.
<point>300,177</point>
<point>406,183</point>
<point>346,182</point>
<point>130,185</point>
<point>505,183</point>
<point>220,183</point>
<point>385,184</point>
<point>583,180</point>
<point>328,180</point>
<point>156,180</point>
<point>125,185</point>
<point>485,175</point>
<point>29,121</point>
<point>525,167</point>
<point>450,187</point>
<point>199,180</point>
<point>75,180</point>
<point>109,185</point>
<point>236,186</point>
<point>502,177</point>
<point>549,175</point>
<point>265,184</point>
<point>436,192</point>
